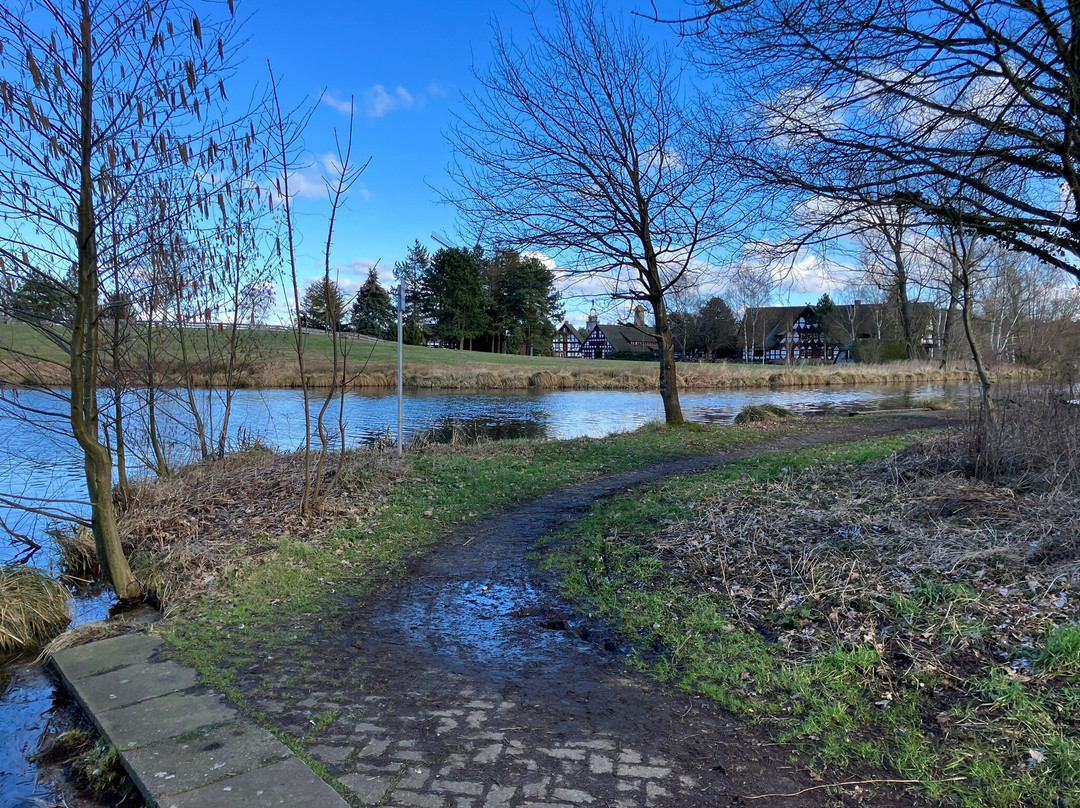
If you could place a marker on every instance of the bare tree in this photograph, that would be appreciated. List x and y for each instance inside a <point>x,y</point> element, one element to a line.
<point>286,130</point>
<point>892,243</point>
<point>96,98</point>
<point>753,285</point>
<point>579,144</point>
<point>965,111</point>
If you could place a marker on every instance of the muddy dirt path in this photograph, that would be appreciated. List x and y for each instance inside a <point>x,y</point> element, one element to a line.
<point>473,684</point>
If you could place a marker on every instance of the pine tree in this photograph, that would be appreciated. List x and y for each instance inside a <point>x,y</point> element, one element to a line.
<point>457,299</point>
<point>322,306</point>
<point>412,271</point>
<point>373,312</point>
<point>530,301</point>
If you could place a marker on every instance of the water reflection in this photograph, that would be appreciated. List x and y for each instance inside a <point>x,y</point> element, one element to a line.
<point>26,706</point>
<point>40,463</point>
<point>456,429</point>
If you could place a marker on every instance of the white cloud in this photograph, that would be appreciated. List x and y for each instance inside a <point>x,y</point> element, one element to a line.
<point>334,101</point>
<point>351,275</point>
<point>309,182</point>
<point>378,101</point>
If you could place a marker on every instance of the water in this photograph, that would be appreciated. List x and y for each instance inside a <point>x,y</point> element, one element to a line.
<point>40,465</point>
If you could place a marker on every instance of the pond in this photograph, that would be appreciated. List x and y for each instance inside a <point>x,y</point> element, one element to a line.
<point>41,466</point>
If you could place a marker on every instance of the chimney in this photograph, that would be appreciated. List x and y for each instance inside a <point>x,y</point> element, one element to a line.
<point>639,316</point>
<point>858,302</point>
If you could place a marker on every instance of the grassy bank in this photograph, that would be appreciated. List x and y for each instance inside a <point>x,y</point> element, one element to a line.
<point>875,607</point>
<point>25,357</point>
<point>223,540</point>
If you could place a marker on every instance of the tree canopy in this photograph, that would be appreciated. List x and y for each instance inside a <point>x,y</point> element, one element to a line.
<point>963,111</point>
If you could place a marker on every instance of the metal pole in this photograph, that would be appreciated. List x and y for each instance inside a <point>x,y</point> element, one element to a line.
<point>400,342</point>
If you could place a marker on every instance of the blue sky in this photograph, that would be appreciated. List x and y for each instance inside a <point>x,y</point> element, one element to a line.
<point>406,68</point>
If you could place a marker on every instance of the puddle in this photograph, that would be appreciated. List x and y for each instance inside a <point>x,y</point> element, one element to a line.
<point>27,701</point>
<point>25,707</point>
<point>506,627</point>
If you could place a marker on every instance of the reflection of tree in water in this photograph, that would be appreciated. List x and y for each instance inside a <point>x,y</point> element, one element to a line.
<point>457,429</point>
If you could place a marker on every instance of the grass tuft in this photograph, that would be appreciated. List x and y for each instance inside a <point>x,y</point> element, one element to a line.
<point>33,609</point>
<point>76,553</point>
<point>1060,651</point>
<point>763,414</point>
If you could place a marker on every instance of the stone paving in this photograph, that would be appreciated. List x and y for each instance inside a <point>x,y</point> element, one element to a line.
<point>478,751</point>
<point>183,745</point>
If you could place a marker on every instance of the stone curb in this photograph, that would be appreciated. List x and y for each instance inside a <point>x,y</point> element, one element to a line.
<point>182,744</point>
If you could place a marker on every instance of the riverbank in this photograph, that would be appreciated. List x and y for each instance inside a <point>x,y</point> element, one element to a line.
<point>270,362</point>
<point>276,610</point>
<point>280,623</point>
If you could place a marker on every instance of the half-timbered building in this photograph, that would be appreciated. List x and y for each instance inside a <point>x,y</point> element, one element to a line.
<point>566,342</point>
<point>796,334</point>
<point>604,340</point>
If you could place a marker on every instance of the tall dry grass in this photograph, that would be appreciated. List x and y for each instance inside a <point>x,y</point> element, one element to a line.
<point>609,375</point>
<point>33,609</point>
<point>1029,439</point>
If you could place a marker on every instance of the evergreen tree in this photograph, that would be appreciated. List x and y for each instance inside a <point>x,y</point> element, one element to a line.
<point>40,298</point>
<point>412,271</point>
<point>455,295</point>
<point>322,306</point>
<point>530,301</point>
<point>718,330</point>
<point>373,312</point>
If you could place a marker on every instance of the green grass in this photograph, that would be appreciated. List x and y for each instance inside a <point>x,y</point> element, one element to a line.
<point>1001,739</point>
<point>1060,652</point>
<point>270,360</point>
<point>443,488</point>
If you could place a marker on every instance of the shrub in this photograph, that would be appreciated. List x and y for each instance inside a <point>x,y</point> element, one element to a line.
<point>632,356</point>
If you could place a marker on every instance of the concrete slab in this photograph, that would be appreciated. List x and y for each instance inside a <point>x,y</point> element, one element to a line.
<point>183,747</point>
<point>173,767</point>
<point>289,783</point>
<point>134,683</point>
<point>160,718</point>
<point>103,656</point>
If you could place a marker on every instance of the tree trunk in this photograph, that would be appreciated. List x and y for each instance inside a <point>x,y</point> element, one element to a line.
<point>84,352</point>
<point>973,343</point>
<point>118,412</point>
<point>949,327</point>
<point>162,464</point>
<point>669,383</point>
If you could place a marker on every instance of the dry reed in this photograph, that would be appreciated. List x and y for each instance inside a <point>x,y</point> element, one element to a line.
<point>190,530</point>
<point>33,609</point>
<point>580,374</point>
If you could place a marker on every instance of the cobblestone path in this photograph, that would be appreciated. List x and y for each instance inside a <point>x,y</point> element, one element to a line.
<point>473,686</point>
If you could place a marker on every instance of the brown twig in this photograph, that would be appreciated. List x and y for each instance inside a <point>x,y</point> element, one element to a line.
<point>845,784</point>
